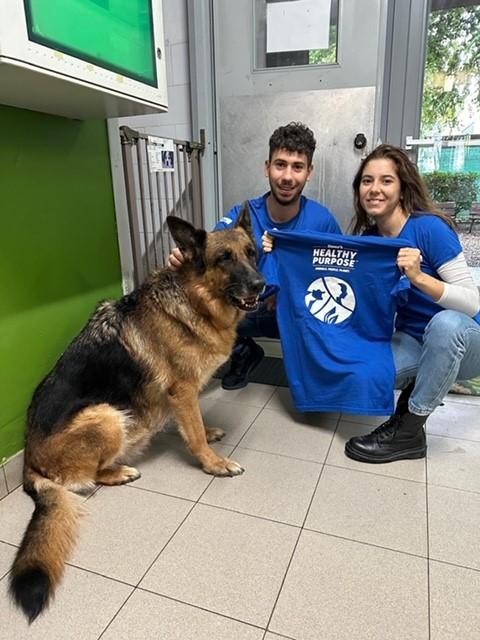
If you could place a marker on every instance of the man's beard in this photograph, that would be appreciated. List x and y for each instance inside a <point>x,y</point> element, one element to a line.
<point>282,200</point>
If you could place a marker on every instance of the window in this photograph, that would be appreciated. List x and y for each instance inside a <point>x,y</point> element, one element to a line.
<point>295,32</point>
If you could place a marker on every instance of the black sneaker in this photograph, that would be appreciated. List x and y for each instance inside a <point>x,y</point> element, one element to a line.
<point>242,363</point>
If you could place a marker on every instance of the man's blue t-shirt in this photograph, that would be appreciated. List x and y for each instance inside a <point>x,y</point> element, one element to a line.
<point>336,307</point>
<point>312,216</point>
<point>438,244</point>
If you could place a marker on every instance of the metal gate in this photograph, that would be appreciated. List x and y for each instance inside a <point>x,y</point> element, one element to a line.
<point>153,194</point>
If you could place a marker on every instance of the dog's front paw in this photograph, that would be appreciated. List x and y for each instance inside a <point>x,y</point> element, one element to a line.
<point>214,435</point>
<point>224,467</point>
<point>117,474</point>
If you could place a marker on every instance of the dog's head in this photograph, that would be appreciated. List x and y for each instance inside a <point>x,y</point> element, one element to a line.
<point>227,259</point>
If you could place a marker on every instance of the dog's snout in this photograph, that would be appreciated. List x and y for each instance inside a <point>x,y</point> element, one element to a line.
<point>257,284</point>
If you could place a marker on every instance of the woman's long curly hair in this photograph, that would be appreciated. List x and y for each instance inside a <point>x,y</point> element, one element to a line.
<point>413,191</point>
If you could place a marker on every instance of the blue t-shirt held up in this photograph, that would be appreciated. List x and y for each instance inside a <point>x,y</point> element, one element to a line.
<point>337,297</point>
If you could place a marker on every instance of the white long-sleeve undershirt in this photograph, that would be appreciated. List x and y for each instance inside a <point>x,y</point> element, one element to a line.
<point>460,291</point>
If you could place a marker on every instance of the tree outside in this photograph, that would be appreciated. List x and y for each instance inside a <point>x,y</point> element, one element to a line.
<point>451,107</point>
<point>451,99</point>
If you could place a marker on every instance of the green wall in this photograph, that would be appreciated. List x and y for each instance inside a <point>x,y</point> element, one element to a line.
<point>58,248</point>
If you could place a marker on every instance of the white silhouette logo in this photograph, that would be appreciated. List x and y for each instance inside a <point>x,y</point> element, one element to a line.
<point>330,300</point>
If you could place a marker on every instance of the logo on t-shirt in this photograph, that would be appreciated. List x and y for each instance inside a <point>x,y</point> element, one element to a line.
<point>334,258</point>
<point>330,300</point>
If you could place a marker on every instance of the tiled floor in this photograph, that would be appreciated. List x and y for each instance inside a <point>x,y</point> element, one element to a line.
<point>307,544</point>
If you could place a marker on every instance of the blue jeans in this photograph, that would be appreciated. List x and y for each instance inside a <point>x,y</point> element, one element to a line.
<point>450,351</point>
<point>261,323</point>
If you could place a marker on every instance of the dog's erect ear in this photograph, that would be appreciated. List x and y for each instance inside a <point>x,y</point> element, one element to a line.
<point>244,219</point>
<point>189,240</point>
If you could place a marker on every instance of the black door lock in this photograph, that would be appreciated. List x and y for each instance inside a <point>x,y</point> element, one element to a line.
<point>360,141</point>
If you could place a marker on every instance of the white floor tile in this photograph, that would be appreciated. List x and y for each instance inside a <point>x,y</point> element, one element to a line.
<point>455,420</point>
<point>15,513</point>
<point>387,512</point>
<point>225,562</point>
<point>303,436</point>
<point>3,483</point>
<point>83,606</point>
<point>125,530</point>
<point>339,589</point>
<point>256,395</point>
<point>7,554</point>
<point>233,417</point>
<point>454,526</point>
<point>454,598</point>
<point>147,616</point>
<point>167,467</point>
<point>273,487</point>
<point>453,463</point>
<point>14,471</point>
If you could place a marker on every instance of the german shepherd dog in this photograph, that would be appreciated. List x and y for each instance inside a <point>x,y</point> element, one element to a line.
<point>139,361</point>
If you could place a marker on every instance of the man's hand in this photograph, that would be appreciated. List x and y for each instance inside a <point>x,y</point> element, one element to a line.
<point>268,242</point>
<point>175,259</point>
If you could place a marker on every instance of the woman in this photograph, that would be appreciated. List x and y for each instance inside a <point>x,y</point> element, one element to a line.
<point>437,333</point>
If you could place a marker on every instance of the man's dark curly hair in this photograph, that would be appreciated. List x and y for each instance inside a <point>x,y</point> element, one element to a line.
<point>294,136</point>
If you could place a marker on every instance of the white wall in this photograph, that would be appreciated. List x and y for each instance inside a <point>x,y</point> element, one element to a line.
<point>174,124</point>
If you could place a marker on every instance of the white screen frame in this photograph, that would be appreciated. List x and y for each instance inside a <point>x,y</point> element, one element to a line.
<point>16,49</point>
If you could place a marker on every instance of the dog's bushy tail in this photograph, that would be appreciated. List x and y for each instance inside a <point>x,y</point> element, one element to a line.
<point>47,544</point>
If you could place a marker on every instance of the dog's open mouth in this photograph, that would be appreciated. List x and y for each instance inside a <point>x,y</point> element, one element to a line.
<point>249,303</point>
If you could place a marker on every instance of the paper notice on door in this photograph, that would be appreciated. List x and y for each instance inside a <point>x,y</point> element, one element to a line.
<point>298,25</point>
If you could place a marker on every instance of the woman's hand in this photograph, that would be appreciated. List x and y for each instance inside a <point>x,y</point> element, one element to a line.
<point>268,242</point>
<point>176,259</point>
<point>271,302</point>
<point>409,262</point>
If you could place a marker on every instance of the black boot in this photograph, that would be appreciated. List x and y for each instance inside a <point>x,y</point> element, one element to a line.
<point>245,357</point>
<point>402,407</point>
<point>401,437</point>
<point>403,398</point>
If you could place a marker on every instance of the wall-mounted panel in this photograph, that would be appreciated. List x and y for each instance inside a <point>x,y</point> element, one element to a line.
<point>92,58</point>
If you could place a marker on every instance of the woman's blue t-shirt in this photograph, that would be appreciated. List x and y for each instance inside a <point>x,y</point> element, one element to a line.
<point>438,244</point>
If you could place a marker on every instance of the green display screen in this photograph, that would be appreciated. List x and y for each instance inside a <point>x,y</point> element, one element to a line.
<point>113,34</point>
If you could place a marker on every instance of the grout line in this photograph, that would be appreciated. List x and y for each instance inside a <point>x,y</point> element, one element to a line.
<point>301,530</point>
<point>4,482</point>
<point>195,606</point>
<point>250,515</point>
<point>165,545</point>
<point>366,544</point>
<point>117,612</point>
<point>474,492</point>
<point>372,473</point>
<point>429,609</point>
<point>277,454</point>
<point>453,564</point>
<point>283,579</point>
<point>100,574</point>
<point>447,437</point>
<point>161,493</point>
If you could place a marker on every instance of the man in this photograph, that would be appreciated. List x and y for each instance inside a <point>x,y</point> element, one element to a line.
<point>288,168</point>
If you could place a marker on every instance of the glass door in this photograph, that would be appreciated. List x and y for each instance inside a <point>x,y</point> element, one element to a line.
<point>448,150</point>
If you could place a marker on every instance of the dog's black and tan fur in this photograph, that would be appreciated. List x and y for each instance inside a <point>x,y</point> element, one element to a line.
<point>138,361</point>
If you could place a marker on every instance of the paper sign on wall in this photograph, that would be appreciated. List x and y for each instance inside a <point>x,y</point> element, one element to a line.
<point>298,25</point>
<point>161,156</point>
